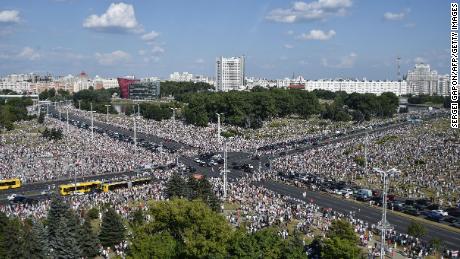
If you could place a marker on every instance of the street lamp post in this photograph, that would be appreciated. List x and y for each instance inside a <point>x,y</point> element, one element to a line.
<point>107,114</point>
<point>225,169</point>
<point>174,114</point>
<point>67,114</point>
<point>384,223</point>
<point>79,105</point>
<point>135,132</point>
<point>218,127</point>
<point>92,121</point>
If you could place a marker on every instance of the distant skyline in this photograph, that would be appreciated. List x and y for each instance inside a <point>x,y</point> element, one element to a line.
<point>315,39</point>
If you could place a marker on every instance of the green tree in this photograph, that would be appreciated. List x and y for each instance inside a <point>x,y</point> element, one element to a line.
<point>342,229</point>
<point>58,210</point>
<point>341,241</point>
<point>112,229</point>
<point>416,229</point>
<point>88,241</point>
<point>196,228</point>
<point>294,247</point>
<point>137,217</point>
<point>158,245</point>
<point>176,187</point>
<point>11,243</point>
<point>35,242</point>
<point>65,245</point>
<point>336,247</point>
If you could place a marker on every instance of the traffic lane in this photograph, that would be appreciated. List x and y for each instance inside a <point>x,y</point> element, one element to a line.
<point>211,171</point>
<point>169,144</point>
<point>369,214</point>
<point>44,185</point>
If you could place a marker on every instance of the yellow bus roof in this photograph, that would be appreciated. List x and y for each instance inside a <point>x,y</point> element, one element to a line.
<point>79,184</point>
<point>9,180</point>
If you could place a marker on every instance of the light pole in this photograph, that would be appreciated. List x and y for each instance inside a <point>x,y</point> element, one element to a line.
<point>225,169</point>
<point>135,132</point>
<point>107,114</point>
<point>92,121</point>
<point>174,114</point>
<point>384,223</point>
<point>79,105</point>
<point>67,114</point>
<point>218,127</point>
<point>365,148</point>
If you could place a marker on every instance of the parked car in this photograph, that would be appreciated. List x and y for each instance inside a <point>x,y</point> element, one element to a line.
<point>412,211</point>
<point>441,212</point>
<point>434,216</point>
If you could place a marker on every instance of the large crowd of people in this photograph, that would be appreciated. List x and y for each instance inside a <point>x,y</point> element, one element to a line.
<point>281,132</point>
<point>255,207</point>
<point>425,156</point>
<point>32,158</point>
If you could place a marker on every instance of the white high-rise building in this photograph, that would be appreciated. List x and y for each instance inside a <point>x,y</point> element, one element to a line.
<point>422,80</point>
<point>230,74</point>
<point>181,77</point>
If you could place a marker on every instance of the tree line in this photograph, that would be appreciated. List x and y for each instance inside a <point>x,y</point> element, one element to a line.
<point>13,110</point>
<point>250,109</point>
<point>177,89</point>
<point>98,98</point>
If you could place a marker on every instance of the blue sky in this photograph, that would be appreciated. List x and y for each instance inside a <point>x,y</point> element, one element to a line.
<point>316,39</point>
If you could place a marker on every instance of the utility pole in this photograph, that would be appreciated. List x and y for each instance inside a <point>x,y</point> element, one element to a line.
<point>107,114</point>
<point>384,223</point>
<point>92,122</point>
<point>135,132</point>
<point>218,127</point>
<point>67,114</point>
<point>79,105</point>
<point>225,169</point>
<point>174,114</point>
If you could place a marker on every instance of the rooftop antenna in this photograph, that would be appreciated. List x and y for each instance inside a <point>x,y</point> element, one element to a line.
<point>398,62</point>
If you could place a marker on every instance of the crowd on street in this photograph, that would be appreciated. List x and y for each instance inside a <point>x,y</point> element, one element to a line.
<point>25,154</point>
<point>425,155</point>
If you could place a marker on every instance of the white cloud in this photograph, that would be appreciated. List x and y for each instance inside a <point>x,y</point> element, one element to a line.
<point>317,35</point>
<point>316,10</point>
<point>29,53</point>
<point>290,32</point>
<point>112,58</point>
<point>347,61</point>
<point>119,17</point>
<point>158,50</point>
<point>9,16</point>
<point>288,46</point>
<point>199,61</point>
<point>389,16</point>
<point>150,36</point>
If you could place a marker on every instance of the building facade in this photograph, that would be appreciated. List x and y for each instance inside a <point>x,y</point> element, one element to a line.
<point>230,74</point>
<point>145,89</point>
<point>124,84</point>
<point>358,86</point>
<point>422,80</point>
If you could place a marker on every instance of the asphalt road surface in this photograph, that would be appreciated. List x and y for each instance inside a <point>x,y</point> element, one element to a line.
<point>362,211</point>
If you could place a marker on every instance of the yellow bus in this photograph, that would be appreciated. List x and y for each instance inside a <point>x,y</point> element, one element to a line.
<point>10,184</point>
<point>106,187</point>
<point>83,187</point>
